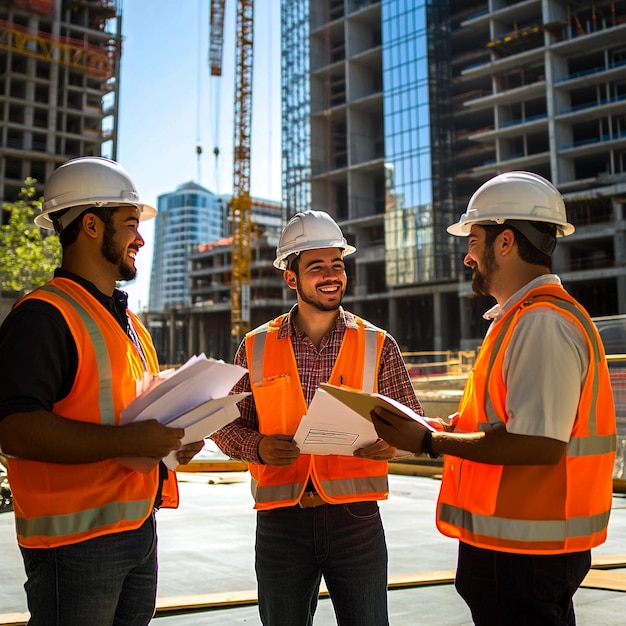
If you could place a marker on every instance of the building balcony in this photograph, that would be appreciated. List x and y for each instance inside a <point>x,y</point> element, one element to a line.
<point>513,128</point>
<point>592,145</point>
<point>517,161</point>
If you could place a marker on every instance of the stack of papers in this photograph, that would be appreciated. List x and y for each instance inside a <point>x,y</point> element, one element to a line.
<point>194,397</point>
<point>338,421</point>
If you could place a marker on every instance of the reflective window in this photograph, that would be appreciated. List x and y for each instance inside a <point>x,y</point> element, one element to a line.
<point>415,237</point>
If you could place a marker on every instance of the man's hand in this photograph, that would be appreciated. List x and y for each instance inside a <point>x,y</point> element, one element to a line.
<point>398,431</point>
<point>278,450</point>
<point>379,451</point>
<point>187,452</point>
<point>149,438</point>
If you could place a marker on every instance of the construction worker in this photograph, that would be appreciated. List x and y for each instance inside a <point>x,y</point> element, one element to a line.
<point>316,515</point>
<point>72,356</point>
<point>527,478</point>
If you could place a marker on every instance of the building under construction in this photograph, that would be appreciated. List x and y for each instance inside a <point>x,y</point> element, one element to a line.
<point>394,113</point>
<point>59,81</point>
<point>406,108</point>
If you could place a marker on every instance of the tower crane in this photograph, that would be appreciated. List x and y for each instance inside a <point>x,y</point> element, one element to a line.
<point>241,205</point>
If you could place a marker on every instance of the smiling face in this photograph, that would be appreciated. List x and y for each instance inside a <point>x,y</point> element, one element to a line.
<point>319,278</point>
<point>121,241</point>
<point>481,259</point>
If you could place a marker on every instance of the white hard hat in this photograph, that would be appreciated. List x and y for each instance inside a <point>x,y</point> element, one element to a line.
<point>515,196</point>
<point>87,182</point>
<point>310,230</point>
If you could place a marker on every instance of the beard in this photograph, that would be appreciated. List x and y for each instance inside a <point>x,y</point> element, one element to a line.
<point>313,301</point>
<point>481,280</point>
<point>115,255</point>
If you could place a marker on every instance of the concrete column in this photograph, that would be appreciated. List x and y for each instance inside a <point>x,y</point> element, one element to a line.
<point>438,323</point>
<point>172,335</point>
<point>192,325</point>
<point>392,311</point>
<point>464,318</point>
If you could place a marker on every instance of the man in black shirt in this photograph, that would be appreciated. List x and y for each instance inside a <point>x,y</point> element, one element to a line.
<point>72,356</point>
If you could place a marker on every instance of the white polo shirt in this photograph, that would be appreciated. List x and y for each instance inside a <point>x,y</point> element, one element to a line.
<point>544,369</point>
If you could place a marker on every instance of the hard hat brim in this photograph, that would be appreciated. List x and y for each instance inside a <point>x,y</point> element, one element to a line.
<point>462,228</point>
<point>146,212</point>
<point>280,262</point>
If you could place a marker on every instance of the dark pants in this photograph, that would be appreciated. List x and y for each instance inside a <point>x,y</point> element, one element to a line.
<point>506,589</point>
<point>345,543</point>
<point>108,580</point>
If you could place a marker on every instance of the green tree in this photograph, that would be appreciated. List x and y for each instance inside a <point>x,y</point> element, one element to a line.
<point>29,256</point>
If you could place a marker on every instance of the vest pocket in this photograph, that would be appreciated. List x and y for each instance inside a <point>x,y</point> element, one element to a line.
<point>478,485</point>
<point>272,400</point>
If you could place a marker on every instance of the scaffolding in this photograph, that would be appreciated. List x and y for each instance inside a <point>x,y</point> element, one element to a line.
<point>296,107</point>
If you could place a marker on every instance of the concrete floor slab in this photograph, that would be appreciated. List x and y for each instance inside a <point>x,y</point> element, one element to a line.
<point>207,547</point>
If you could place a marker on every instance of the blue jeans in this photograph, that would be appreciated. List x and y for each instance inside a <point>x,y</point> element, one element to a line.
<point>105,581</point>
<point>345,543</point>
<point>506,589</point>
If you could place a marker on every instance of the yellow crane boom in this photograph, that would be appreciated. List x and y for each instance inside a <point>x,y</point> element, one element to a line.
<point>241,205</point>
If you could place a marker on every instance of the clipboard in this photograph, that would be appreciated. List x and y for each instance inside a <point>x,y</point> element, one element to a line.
<point>363,403</point>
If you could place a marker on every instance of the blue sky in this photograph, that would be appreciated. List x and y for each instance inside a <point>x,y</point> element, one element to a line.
<point>169,103</point>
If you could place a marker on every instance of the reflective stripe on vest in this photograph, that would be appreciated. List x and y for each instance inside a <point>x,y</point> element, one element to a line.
<point>105,377</point>
<point>490,506</point>
<point>524,530</point>
<point>80,522</point>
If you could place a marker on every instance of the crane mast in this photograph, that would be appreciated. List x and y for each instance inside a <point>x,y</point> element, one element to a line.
<point>241,205</point>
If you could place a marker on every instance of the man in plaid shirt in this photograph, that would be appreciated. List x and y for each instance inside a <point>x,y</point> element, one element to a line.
<point>317,515</point>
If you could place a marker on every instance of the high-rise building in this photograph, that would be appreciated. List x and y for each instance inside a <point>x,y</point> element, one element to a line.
<point>202,270</point>
<point>187,217</point>
<point>394,112</point>
<point>59,81</point>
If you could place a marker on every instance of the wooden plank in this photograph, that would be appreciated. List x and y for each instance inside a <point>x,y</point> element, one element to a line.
<point>601,579</point>
<point>611,561</point>
<point>14,619</point>
<point>423,579</point>
<point>209,601</point>
<point>597,578</point>
<point>213,466</point>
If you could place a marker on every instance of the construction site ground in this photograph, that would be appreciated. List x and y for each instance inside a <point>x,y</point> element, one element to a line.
<point>206,553</point>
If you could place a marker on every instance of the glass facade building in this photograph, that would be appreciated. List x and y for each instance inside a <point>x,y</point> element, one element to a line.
<point>188,217</point>
<point>418,148</point>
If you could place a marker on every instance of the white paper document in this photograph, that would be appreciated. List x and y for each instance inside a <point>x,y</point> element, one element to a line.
<point>169,396</point>
<point>338,421</point>
<point>331,427</point>
<point>198,423</point>
<point>194,397</point>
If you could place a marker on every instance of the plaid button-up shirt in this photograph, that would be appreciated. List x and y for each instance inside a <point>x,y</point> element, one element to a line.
<point>240,439</point>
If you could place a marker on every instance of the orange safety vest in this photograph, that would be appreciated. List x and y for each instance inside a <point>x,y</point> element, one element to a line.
<point>280,404</point>
<point>57,504</point>
<point>536,509</point>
